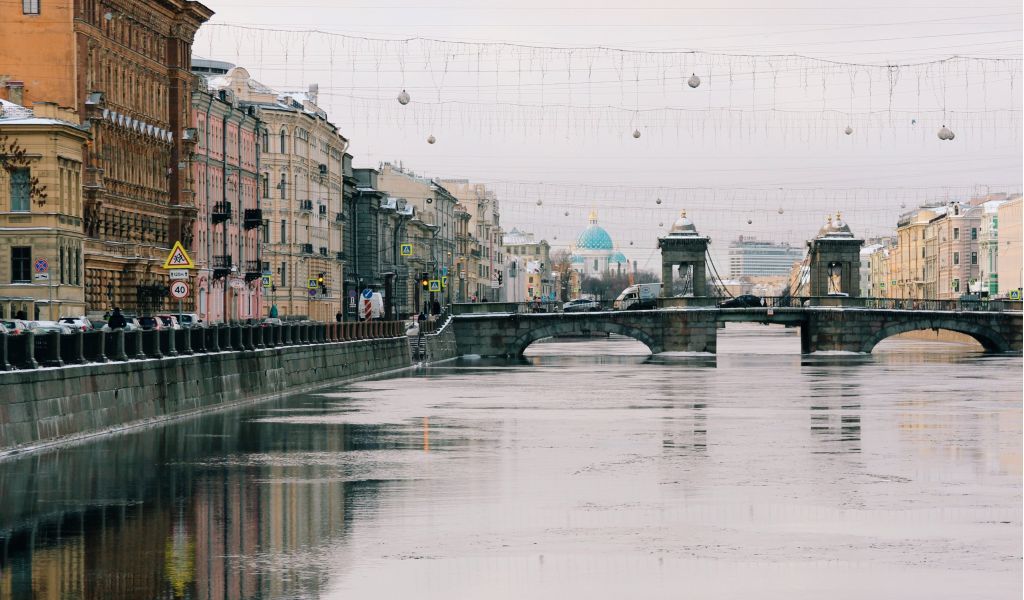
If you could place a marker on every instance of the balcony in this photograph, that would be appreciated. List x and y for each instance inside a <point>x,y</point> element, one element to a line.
<point>253,270</point>
<point>307,248</point>
<point>221,212</point>
<point>339,256</point>
<point>339,217</point>
<point>221,266</point>
<point>253,218</point>
<point>323,250</point>
<point>323,210</point>
<point>306,205</point>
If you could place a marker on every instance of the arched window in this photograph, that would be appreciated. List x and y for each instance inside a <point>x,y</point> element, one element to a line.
<point>284,141</point>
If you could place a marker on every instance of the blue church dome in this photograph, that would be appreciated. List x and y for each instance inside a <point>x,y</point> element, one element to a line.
<point>594,237</point>
<point>618,257</point>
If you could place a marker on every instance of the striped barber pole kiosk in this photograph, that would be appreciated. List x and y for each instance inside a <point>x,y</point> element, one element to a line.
<point>366,304</point>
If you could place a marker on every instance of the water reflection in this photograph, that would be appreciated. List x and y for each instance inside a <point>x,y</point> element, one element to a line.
<point>587,469</point>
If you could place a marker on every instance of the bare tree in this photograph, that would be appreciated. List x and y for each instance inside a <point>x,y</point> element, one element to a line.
<point>14,157</point>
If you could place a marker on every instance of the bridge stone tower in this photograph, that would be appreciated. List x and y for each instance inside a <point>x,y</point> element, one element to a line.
<point>684,247</point>
<point>834,260</point>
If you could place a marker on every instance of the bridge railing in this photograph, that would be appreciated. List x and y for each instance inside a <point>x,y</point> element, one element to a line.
<point>893,303</point>
<point>762,301</point>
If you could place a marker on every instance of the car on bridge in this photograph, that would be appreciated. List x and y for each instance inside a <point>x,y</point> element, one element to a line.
<point>581,305</point>
<point>742,301</point>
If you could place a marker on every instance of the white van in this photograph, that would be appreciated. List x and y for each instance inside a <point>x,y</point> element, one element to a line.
<point>638,297</point>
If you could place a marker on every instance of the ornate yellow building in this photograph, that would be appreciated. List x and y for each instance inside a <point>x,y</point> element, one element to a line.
<point>44,229</point>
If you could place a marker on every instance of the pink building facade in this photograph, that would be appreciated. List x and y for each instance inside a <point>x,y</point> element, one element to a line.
<point>227,283</point>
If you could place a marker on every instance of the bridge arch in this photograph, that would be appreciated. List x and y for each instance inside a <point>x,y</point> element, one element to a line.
<point>519,344</point>
<point>990,339</point>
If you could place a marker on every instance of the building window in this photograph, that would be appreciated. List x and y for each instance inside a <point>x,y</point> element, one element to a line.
<point>21,264</point>
<point>956,258</point>
<point>974,258</point>
<point>30,7</point>
<point>284,231</point>
<point>284,137</point>
<point>956,285</point>
<point>956,233</point>
<point>283,185</point>
<point>974,233</point>
<point>62,264</point>
<point>266,185</point>
<point>284,274</point>
<point>20,188</point>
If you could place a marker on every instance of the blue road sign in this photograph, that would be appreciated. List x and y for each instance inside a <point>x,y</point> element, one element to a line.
<point>367,293</point>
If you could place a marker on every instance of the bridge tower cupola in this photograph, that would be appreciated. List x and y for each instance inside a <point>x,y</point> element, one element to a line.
<point>834,260</point>
<point>686,249</point>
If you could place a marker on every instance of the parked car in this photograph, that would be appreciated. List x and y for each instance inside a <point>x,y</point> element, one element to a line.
<point>742,301</point>
<point>148,322</point>
<point>99,325</point>
<point>270,321</point>
<point>190,320</point>
<point>131,323</point>
<point>581,305</point>
<point>169,321</point>
<point>15,326</point>
<point>41,327</point>
<point>79,323</point>
<point>3,329</point>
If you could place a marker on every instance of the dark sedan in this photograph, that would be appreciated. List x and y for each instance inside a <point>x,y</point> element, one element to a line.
<point>743,301</point>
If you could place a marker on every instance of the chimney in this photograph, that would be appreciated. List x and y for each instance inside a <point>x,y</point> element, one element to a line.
<point>314,92</point>
<point>16,92</point>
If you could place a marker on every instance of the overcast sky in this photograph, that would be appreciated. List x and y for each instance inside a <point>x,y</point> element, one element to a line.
<point>758,148</point>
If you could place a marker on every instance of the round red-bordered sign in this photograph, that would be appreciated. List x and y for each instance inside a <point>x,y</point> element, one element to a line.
<point>179,289</point>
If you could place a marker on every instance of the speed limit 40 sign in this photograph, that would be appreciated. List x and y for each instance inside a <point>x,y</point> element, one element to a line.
<point>179,289</point>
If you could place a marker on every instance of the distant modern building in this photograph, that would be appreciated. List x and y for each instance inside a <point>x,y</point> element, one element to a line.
<point>749,257</point>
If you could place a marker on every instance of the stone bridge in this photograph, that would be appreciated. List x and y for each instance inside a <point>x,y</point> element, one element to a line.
<point>696,329</point>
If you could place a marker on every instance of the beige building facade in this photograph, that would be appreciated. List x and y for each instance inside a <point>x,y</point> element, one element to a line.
<point>38,231</point>
<point>305,170</point>
<point>486,257</point>
<point>1011,237</point>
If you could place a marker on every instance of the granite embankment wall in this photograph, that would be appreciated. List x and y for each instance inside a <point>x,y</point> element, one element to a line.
<point>42,407</point>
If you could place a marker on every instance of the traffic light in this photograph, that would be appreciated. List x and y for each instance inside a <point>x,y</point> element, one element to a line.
<point>500,277</point>
<point>320,279</point>
<point>322,283</point>
<point>425,280</point>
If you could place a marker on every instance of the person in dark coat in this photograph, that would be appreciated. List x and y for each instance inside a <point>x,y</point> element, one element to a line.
<point>117,320</point>
<point>337,317</point>
<point>435,308</point>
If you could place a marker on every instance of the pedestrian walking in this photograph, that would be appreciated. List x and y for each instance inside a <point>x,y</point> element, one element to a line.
<point>117,320</point>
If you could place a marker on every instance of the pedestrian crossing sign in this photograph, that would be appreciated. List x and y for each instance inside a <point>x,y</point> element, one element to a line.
<point>406,250</point>
<point>1014,294</point>
<point>268,280</point>
<point>178,258</point>
<point>444,282</point>
<point>435,285</point>
<point>312,283</point>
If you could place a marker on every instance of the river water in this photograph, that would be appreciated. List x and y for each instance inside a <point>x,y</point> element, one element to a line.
<point>588,470</point>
